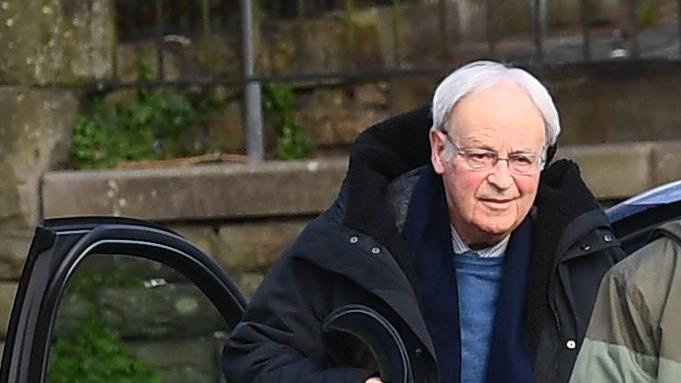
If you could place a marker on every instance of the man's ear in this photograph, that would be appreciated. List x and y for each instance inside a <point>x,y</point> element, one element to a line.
<point>438,144</point>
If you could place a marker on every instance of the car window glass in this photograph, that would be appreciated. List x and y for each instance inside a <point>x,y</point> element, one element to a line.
<point>130,319</point>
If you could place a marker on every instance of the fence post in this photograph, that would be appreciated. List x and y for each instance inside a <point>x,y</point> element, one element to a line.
<point>444,37</point>
<point>252,98</point>
<point>678,16</point>
<point>540,15</point>
<point>350,43</point>
<point>633,23</point>
<point>586,36</point>
<point>160,66</point>
<point>398,23</point>
<point>205,17</point>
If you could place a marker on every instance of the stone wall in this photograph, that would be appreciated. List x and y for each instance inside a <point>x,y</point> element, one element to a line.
<point>421,34</point>
<point>70,43</point>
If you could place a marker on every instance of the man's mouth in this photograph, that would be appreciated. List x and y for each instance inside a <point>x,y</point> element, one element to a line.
<point>497,203</point>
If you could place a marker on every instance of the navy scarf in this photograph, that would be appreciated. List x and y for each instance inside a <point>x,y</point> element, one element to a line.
<point>428,237</point>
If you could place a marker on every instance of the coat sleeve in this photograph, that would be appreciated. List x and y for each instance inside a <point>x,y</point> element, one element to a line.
<point>626,341</point>
<point>280,337</point>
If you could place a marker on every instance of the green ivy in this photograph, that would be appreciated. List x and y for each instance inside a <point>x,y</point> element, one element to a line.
<point>92,352</point>
<point>95,354</point>
<point>145,127</point>
<point>292,143</point>
<point>648,13</point>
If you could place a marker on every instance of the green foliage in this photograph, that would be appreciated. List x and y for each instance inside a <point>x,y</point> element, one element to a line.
<point>91,352</point>
<point>147,126</point>
<point>89,283</point>
<point>95,354</point>
<point>292,143</point>
<point>648,13</point>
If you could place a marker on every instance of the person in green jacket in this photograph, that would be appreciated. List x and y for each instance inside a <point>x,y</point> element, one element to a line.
<point>635,330</point>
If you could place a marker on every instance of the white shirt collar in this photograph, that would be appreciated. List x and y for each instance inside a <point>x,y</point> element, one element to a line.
<point>460,247</point>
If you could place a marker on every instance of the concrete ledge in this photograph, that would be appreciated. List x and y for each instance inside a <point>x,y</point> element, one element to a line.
<point>613,171</point>
<point>196,193</point>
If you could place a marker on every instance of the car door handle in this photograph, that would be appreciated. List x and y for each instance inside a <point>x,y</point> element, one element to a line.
<point>379,335</point>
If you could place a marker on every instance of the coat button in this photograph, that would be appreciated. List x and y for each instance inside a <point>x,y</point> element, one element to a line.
<point>375,250</point>
<point>418,352</point>
<point>586,247</point>
<point>571,344</point>
<point>607,238</point>
<point>354,239</point>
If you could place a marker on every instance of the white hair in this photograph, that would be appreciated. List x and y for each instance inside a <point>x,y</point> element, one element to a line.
<point>479,75</point>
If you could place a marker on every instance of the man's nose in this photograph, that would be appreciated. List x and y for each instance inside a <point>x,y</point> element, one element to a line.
<point>501,176</point>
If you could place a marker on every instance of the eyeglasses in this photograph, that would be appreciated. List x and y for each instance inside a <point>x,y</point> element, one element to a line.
<point>486,159</point>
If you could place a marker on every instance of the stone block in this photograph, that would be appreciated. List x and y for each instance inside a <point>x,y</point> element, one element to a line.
<point>248,282</point>
<point>159,312</point>
<point>666,162</point>
<point>36,137</point>
<point>203,237</point>
<point>7,292</point>
<point>56,40</point>
<point>621,101</point>
<point>182,360</point>
<point>14,245</point>
<point>337,115</point>
<point>408,93</point>
<point>183,57</point>
<point>371,95</point>
<point>254,246</point>
<point>320,45</point>
<point>195,193</point>
<point>101,267</point>
<point>613,171</point>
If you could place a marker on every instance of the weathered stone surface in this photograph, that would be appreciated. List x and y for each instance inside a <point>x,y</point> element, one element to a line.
<point>320,46</point>
<point>56,40</point>
<point>616,101</point>
<point>159,312</point>
<point>202,192</point>
<point>614,171</point>
<point>182,360</point>
<point>131,268</point>
<point>223,132</point>
<point>408,93</point>
<point>203,237</point>
<point>14,245</point>
<point>34,138</point>
<point>248,282</point>
<point>7,293</point>
<point>666,162</point>
<point>183,56</point>
<point>336,116</point>
<point>253,246</point>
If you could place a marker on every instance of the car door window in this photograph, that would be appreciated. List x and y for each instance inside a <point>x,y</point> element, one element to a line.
<point>118,300</point>
<point>132,319</point>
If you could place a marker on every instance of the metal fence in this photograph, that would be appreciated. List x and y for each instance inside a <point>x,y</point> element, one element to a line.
<point>158,19</point>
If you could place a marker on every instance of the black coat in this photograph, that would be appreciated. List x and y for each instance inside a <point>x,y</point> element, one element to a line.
<point>354,254</point>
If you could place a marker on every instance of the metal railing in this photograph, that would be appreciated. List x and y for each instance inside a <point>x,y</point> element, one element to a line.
<point>251,80</point>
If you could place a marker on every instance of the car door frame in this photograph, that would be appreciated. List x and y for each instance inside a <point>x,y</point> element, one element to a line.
<point>60,245</point>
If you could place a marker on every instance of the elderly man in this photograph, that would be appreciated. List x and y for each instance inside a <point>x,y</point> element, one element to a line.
<point>487,266</point>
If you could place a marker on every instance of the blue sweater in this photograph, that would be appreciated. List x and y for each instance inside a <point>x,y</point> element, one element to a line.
<point>479,280</point>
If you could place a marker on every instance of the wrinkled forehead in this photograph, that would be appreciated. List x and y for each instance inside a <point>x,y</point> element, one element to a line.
<point>501,112</point>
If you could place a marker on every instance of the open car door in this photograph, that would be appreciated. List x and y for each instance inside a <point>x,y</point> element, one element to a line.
<point>115,296</point>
